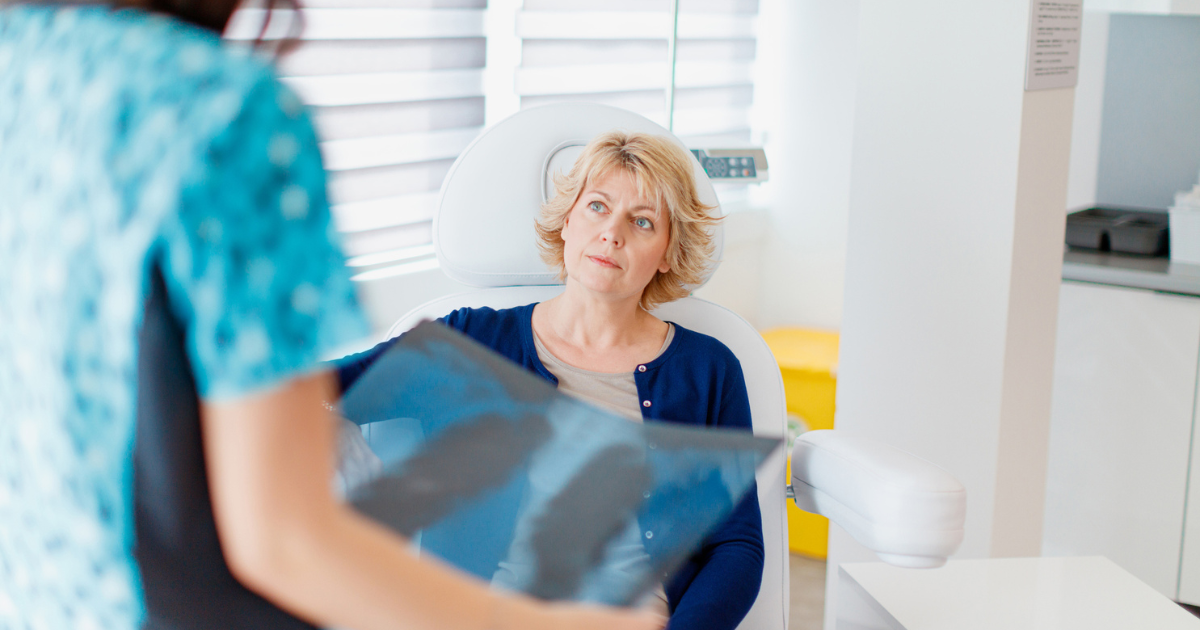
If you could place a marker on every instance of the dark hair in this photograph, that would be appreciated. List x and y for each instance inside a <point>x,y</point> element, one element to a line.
<point>210,14</point>
<point>214,15</point>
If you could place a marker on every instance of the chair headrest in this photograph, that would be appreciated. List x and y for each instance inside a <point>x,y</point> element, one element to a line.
<point>483,231</point>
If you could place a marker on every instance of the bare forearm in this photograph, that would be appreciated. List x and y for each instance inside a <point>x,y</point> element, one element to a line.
<point>347,571</point>
<point>352,573</point>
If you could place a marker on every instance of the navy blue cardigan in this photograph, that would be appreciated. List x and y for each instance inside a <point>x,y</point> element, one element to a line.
<point>697,380</point>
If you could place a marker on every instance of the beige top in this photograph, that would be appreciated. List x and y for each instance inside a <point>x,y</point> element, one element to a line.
<point>612,392</point>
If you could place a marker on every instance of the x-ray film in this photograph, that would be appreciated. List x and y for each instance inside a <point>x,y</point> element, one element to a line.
<point>495,471</point>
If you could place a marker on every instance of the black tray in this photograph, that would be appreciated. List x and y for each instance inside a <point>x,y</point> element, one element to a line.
<point>1125,230</point>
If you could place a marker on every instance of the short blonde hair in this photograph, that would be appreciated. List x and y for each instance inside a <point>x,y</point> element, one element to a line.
<point>663,173</point>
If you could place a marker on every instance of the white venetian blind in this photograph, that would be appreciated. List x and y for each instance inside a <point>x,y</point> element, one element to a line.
<point>396,87</point>
<point>616,52</point>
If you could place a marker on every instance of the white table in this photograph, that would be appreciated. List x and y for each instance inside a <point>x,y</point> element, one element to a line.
<point>1004,593</point>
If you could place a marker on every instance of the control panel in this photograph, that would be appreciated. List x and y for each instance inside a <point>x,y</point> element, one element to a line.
<point>733,165</point>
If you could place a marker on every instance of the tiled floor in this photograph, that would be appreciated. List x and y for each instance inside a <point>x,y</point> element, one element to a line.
<point>808,593</point>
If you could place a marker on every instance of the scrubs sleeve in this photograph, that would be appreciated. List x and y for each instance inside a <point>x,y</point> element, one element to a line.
<point>251,260</point>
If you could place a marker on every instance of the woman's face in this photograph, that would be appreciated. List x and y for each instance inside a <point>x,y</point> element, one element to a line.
<point>615,240</point>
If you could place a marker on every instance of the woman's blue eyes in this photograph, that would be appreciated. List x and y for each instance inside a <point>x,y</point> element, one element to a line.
<point>641,222</point>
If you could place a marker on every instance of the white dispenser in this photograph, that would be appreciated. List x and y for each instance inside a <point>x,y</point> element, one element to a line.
<point>1185,227</point>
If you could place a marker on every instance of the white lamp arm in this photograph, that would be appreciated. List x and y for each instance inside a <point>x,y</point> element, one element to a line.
<point>905,509</point>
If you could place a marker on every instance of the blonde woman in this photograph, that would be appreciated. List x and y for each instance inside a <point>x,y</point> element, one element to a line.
<point>628,232</point>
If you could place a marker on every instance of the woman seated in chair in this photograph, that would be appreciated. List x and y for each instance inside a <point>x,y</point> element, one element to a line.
<point>628,232</point>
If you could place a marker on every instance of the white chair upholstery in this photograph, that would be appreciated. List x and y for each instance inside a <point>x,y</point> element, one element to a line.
<point>483,236</point>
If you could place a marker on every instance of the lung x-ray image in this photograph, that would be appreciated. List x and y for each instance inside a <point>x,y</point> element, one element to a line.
<point>493,470</point>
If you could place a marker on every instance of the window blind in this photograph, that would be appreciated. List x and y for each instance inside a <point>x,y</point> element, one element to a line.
<point>396,90</point>
<point>616,52</point>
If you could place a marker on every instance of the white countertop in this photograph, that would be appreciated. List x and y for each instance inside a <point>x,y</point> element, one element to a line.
<point>1127,270</point>
<point>1016,594</point>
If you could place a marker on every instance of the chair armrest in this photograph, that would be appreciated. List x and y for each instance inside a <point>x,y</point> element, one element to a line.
<point>905,509</point>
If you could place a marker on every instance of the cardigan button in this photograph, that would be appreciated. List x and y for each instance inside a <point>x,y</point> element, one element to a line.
<point>649,535</point>
<point>645,403</point>
<point>641,368</point>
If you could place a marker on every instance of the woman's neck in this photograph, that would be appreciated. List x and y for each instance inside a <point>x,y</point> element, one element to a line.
<point>590,332</point>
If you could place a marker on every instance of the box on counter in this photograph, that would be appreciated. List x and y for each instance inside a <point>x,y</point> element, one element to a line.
<point>1141,231</point>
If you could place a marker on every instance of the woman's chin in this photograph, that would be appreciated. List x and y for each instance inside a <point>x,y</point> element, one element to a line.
<point>601,287</point>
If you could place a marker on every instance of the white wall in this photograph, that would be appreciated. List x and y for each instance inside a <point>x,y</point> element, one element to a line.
<point>804,97</point>
<point>958,181</point>
<point>805,101</point>
<point>1089,107</point>
<point>1183,7</point>
<point>738,283</point>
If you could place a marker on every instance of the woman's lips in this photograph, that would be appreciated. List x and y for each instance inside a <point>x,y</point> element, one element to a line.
<point>604,261</point>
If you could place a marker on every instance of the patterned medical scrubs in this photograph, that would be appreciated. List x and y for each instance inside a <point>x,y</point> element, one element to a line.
<point>134,148</point>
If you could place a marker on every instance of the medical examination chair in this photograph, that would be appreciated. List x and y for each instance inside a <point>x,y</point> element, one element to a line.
<point>907,510</point>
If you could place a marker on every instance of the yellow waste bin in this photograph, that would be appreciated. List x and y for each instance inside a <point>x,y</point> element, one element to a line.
<point>808,361</point>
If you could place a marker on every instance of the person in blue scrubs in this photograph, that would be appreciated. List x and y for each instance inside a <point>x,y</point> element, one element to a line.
<point>627,232</point>
<point>169,281</point>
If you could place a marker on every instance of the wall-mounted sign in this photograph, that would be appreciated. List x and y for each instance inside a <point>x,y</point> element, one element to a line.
<point>1053,58</point>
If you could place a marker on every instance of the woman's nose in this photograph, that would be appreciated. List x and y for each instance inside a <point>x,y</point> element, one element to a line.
<point>612,233</point>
